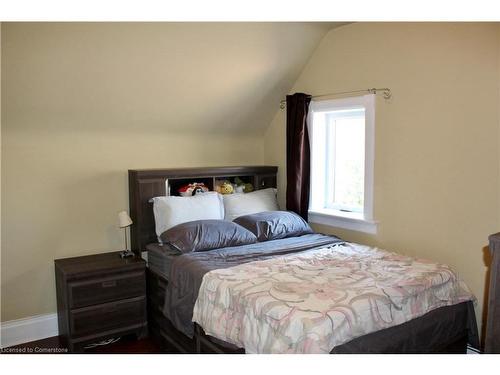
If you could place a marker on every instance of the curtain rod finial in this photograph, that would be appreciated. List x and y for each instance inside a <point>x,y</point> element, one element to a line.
<point>387,94</point>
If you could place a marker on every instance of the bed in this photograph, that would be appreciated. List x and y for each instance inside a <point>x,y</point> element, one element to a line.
<point>446,329</point>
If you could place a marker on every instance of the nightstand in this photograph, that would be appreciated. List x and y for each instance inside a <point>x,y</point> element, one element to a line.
<point>100,296</point>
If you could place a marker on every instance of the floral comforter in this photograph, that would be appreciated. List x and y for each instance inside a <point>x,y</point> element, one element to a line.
<point>312,301</point>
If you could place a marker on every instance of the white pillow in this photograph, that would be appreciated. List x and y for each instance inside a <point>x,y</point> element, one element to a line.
<point>241,204</point>
<point>172,210</point>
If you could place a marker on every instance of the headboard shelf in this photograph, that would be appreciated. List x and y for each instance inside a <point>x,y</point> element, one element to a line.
<point>145,184</point>
<point>204,172</point>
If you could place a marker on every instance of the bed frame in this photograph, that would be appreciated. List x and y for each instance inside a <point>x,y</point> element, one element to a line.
<point>148,183</point>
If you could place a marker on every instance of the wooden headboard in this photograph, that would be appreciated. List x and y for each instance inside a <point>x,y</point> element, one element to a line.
<point>145,184</point>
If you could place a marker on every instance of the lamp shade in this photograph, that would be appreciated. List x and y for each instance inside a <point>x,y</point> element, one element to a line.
<point>123,219</point>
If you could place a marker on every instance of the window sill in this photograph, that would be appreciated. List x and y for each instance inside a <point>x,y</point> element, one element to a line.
<point>344,220</point>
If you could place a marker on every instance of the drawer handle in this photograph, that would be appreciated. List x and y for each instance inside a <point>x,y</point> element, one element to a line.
<point>108,284</point>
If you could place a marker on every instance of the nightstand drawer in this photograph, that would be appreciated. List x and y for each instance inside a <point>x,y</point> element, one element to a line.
<point>113,315</point>
<point>111,288</point>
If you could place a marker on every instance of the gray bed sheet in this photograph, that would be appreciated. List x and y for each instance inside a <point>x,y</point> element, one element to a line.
<point>186,271</point>
<point>160,258</point>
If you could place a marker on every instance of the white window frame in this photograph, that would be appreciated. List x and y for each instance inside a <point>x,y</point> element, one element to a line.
<point>363,222</point>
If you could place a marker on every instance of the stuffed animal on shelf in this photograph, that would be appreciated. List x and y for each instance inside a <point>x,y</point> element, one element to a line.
<point>248,187</point>
<point>242,187</point>
<point>226,188</point>
<point>192,189</point>
<point>239,185</point>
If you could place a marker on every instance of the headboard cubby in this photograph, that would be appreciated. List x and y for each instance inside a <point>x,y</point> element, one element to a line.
<point>145,184</point>
<point>173,184</point>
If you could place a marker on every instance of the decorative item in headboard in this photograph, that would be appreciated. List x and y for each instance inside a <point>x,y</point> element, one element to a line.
<point>145,184</point>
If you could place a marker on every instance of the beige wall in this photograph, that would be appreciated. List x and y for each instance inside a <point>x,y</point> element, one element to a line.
<point>437,145</point>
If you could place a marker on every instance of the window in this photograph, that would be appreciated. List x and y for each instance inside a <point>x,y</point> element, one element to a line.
<point>342,154</point>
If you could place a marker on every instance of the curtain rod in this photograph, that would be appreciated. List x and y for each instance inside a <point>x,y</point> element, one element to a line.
<point>386,93</point>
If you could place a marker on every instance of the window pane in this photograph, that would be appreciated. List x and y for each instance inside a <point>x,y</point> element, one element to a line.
<point>318,161</point>
<point>347,162</point>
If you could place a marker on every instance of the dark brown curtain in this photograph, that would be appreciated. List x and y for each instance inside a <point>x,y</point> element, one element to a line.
<point>297,153</point>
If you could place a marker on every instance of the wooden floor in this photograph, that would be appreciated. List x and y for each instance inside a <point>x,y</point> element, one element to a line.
<point>126,345</point>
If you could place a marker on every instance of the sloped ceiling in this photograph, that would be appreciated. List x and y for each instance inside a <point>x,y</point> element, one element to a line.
<point>208,77</point>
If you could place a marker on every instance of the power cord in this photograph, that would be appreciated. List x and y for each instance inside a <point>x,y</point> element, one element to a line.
<point>102,343</point>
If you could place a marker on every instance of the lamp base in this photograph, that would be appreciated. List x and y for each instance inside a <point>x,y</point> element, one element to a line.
<point>126,254</point>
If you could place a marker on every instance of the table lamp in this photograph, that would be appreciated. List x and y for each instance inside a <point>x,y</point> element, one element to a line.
<point>124,221</point>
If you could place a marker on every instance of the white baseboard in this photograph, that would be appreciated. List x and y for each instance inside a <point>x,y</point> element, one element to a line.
<point>19,331</point>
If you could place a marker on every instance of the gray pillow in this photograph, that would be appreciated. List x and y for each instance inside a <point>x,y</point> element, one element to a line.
<point>203,235</point>
<point>273,225</point>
